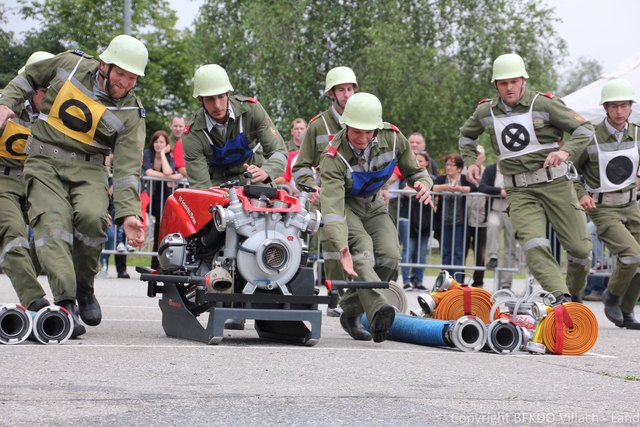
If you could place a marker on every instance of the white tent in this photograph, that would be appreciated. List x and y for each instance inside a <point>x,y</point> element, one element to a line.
<point>585,101</point>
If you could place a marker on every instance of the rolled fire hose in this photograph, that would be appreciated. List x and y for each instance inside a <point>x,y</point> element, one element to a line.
<point>15,324</point>
<point>569,328</point>
<point>458,301</point>
<point>467,333</point>
<point>396,296</point>
<point>51,325</point>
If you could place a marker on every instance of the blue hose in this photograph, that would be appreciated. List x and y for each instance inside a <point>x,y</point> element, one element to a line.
<point>416,330</point>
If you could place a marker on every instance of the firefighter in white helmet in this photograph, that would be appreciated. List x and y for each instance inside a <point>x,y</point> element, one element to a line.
<point>526,130</point>
<point>230,135</point>
<point>608,194</point>
<point>89,111</point>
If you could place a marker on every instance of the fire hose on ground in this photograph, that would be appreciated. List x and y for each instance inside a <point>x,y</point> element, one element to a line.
<point>569,328</point>
<point>451,301</point>
<point>468,333</point>
<point>50,325</point>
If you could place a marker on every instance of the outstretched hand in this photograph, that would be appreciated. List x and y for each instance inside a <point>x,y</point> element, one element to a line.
<point>473,174</point>
<point>424,195</point>
<point>6,113</point>
<point>134,230</point>
<point>347,263</point>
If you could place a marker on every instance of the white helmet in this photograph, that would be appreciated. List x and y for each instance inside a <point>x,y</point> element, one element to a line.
<point>339,76</point>
<point>211,79</point>
<point>128,53</point>
<point>39,55</point>
<point>363,111</point>
<point>508,66</point>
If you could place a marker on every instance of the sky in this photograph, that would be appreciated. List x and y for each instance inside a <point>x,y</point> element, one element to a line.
<point>604,30</point>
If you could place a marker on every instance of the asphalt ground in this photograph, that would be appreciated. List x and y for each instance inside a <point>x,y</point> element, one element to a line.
<point>126,371</point>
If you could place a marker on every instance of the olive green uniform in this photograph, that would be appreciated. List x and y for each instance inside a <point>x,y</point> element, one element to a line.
<point>16,257</point>
<point>320,131</point>
<point>531,205</point>
<point>363,223</point>
<point>616,215</point>
<point>291,145</point>
<point>65,173</point>
<point>271,155</point>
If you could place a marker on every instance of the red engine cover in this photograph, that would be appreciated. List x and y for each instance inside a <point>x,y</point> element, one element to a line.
<point>187,210</point>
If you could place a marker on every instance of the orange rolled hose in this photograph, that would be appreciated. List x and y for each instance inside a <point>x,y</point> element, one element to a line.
<point>569,328</point>
<point>460,301</point>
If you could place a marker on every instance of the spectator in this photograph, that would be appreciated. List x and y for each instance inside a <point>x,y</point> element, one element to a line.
<point>596,282</point>
<point>298,127</point>
<point>115,238</point>
<point>177,129</point>
<point>477,226</point>
<point>419,143</point>
<point>158,163</point>
<point>450,214</point>
<point>414,248</point>
<point>498,222</point>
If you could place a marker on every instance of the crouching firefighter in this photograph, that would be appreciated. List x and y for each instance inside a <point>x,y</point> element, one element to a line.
<point>354,167</point>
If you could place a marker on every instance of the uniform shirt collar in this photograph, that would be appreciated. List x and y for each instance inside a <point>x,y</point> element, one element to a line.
<point>365,154</point>
<point>525,100</point>
<point>337,116</point>
<point>220,127</point>
<point>28,107</point>
<point>618,134</point>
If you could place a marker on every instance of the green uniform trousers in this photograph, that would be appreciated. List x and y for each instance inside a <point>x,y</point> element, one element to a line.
<point>68,202</point>
<point>619,229</point>
<point>16,257</point>
<point>529,209</point>
<point>374,247</point>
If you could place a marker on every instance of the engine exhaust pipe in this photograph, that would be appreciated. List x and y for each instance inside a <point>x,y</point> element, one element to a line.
<point>15,324</point>
<point>51,325</point>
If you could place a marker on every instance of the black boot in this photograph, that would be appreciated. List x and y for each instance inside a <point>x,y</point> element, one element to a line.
<point>576,298</point>
<point>629,321</point>
<point>353,326</point>
<point>562,299</point>
<point>612,307</point>
<point>78,328</point>
<point>38,304</point>
<point>381,322</point>
<point>90,311</point>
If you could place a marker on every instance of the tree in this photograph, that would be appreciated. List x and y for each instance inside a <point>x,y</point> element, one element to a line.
<point>89,25</point>
<point>429,61</point>
<point>580,74</point>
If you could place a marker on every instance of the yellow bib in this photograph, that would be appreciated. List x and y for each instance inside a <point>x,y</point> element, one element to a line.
<point>13,141</point>
<point>75,114</point>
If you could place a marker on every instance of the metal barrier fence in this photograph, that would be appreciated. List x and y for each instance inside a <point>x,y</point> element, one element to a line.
<point>462,218</point>
<point>157,191</point>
